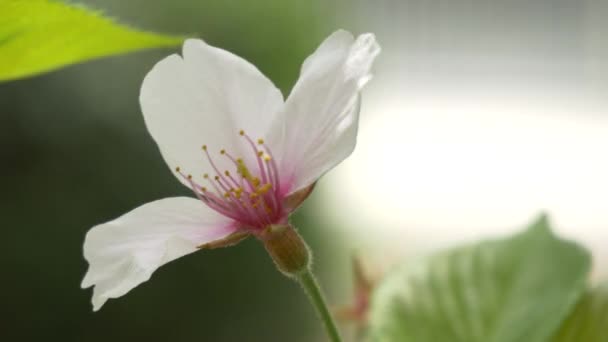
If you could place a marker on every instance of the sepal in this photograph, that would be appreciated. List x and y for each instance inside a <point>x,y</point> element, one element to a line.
<point>293,201</point>
<point>228,241</point>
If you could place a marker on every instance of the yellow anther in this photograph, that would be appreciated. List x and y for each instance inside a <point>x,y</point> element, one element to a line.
<point>261,141</point>
<point>206,175</point>
<point>223,152</point>
<point>189,176</point>
<point>267,158</point>
<point>177,169</point>
<point>217,178</point>
<point>204,147</point>
<point>227,195</point>
<point>204,189</point>
<point>241,132</point>
<point>260,153</point>
<point>253,195</point>
<point>255,181</point>
<point>264,188</point>
<point>227,173</point>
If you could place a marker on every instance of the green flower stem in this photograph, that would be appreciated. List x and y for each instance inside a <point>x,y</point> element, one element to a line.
<point>292,257</point>
<point>312,289</point>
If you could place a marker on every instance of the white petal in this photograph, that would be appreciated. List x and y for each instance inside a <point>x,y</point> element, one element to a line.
<point>318,128</point>
<point>123,253</point>
<point>206,97</point>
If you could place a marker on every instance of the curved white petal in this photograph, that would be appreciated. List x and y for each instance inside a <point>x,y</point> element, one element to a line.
<point>318,128</point>
<point>205,98</point>
<point>123,253</point>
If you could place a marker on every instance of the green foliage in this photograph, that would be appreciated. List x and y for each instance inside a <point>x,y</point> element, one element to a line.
<point>516,289</point>
<point>588,321</point>
<point>42,35</point>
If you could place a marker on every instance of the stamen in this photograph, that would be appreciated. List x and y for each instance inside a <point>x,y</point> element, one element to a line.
<point>213,165</point>
<point>251,197</point>
<point>275,170</point>
<point>259,161</point>
<point>215,187</point>
<point>209,199</point>
<point>233,205</point>
<point>234,182</point>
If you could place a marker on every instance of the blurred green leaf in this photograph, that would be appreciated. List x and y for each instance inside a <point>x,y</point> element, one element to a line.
<point>42,35</point>
<point>589,319</point>
<point>516,289</point>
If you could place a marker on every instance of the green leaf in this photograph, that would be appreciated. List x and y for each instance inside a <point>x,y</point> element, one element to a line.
<point>42,35</point>
<point>589,319</point>
<point>510,290</point>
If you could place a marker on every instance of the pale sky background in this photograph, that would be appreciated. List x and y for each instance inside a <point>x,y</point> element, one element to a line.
<point>481,115</point>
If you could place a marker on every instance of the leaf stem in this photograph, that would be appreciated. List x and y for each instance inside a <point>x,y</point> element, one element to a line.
<point>310,285</point>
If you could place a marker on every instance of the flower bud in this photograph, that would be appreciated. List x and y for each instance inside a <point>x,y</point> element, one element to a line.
<point>287,249</point>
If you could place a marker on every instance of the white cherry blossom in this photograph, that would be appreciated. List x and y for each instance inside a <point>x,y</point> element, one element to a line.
<point>249,157</point>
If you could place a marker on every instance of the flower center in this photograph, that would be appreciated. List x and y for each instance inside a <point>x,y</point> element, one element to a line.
<point>251,196</point>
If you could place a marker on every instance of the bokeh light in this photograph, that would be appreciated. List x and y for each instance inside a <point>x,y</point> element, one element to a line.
<point>481,116</point>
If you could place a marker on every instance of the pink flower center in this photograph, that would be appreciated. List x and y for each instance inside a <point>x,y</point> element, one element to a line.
<point>251,195</point>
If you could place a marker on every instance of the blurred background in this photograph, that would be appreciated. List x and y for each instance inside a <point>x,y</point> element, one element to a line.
<point>481,115</point>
